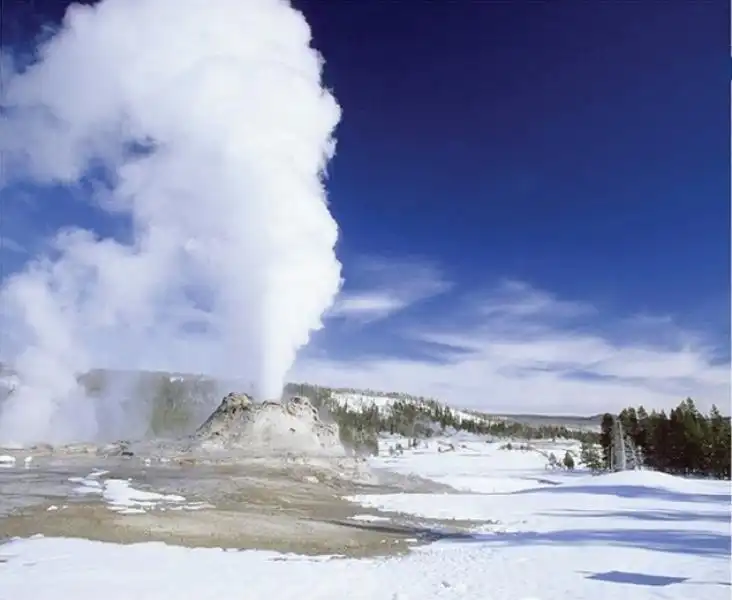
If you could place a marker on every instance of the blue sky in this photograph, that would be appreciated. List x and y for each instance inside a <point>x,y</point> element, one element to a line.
<point>582,147</point>
<point>533,201</point>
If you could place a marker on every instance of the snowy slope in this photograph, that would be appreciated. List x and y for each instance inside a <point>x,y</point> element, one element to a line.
<point>360,401</point>
<point>557,536</point>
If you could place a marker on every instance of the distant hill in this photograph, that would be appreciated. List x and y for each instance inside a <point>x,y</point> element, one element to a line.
<point>587,423</point>
<point>176,403</point>
<point>412,416</point>
<point>360,400</point>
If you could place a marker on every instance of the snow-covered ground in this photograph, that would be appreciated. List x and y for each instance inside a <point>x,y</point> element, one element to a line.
<point>557,536</point>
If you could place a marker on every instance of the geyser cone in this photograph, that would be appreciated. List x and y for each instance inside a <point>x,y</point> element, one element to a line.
<point>289,427</point>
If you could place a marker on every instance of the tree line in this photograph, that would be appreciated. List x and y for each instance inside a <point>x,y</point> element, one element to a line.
<point>683,442</point>
<point>418,417</point>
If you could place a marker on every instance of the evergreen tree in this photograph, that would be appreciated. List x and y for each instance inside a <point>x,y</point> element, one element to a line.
<point>658,452</point>
<point>568,460</point>
<point>642,431</point>
<point>590,457</point>
<point>606,438</point>
<point>720,444</point>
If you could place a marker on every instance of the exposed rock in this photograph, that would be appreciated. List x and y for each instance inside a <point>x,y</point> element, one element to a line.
<point>80,448</point>
<point>293,426</point>
<point>227,412</point>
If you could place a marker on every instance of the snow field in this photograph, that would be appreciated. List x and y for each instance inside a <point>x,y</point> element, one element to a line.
<point>559,536</point>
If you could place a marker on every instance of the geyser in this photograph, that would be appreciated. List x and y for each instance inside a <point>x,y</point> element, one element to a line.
<point>211,128</point>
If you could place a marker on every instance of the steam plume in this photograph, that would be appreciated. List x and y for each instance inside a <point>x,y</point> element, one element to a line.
<point>211,127</point>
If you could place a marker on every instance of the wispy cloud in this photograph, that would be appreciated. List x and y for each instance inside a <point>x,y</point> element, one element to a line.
<point>386,287</point>
<point>10,245</point>
<point>513,298</point>
<point>525,350</point>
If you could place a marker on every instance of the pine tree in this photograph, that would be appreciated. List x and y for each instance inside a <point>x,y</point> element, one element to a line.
<point>641,439</point>
<point>719,433</point>
<point>606,438</point>
<point>659,457</point>
<point>676,443</point>
<point>590,457</point>
<point>568,460</point>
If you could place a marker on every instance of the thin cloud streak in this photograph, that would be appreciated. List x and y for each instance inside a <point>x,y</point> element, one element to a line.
<point>536,354</point>
<point>387,287</point>
<point>10,245</point>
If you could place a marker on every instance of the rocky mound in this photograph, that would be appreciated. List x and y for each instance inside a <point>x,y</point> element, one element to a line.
<point>289,427</point>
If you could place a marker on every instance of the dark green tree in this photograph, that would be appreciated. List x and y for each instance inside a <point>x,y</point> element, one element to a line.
<point>590,457</point>
<point>568,460</point>
<point>606,438</point>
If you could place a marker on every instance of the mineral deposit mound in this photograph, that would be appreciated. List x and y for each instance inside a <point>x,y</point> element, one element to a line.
<point>270,428</point>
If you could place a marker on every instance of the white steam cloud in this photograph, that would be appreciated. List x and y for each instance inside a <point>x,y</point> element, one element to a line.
<point>212,127</point>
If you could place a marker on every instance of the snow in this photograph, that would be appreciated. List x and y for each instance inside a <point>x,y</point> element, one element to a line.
<point>359,402</point>
<point>370,518</point>
<point>120,496</point>
<point>540,535</point>
<point>8,461</point>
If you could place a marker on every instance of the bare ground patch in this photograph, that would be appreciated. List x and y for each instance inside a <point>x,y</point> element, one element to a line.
<point>290,508</point>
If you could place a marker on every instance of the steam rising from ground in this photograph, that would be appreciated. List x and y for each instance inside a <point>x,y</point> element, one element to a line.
<point>212,128</point>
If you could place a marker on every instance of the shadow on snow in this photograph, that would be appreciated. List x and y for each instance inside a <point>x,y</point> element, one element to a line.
<point>645,515</point>
<point>696,543</point>
<point>625,491</point>
<point>636,578</point>
<point>644,579</point>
